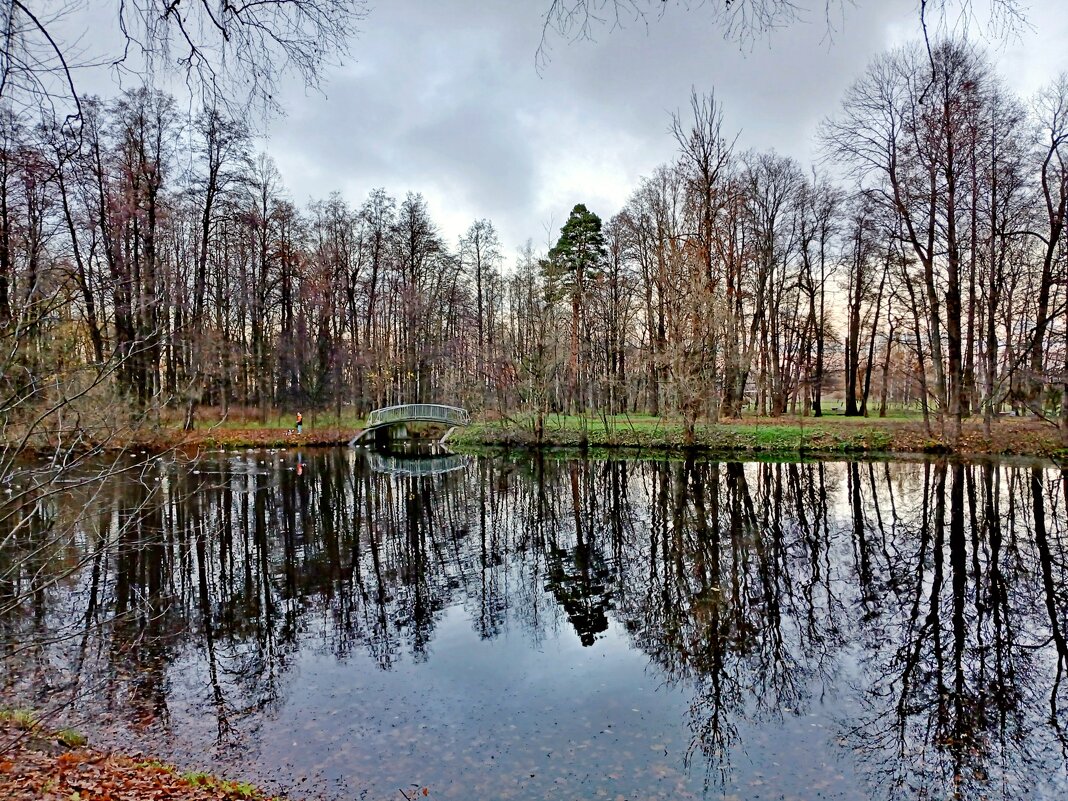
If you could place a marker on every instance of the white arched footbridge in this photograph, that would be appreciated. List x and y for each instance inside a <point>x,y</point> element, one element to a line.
<point>392,420</point>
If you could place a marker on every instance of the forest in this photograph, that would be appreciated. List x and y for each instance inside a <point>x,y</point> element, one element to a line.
<point>153,268</point>
<point>730,599</point>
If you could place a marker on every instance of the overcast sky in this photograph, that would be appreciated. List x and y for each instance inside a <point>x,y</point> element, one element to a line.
<point>442,97</point>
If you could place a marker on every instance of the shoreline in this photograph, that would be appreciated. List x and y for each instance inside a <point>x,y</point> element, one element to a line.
<point>43,764</point>
<point>786,436</point>
<point>790,437</point>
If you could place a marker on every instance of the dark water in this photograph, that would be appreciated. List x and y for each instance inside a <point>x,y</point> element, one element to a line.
<point>511,627</point>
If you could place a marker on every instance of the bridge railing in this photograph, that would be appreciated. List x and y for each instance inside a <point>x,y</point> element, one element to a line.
<point>430,412</point>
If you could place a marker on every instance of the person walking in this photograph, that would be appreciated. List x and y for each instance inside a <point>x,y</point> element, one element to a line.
<point>300,422</point>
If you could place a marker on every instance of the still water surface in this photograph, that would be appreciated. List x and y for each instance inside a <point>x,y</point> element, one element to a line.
<point>338,624</point>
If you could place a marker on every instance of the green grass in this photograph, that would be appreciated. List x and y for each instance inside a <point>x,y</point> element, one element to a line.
<point>71,738</point>
<point>594,424</point>
<point>20,718</point>
<point>232,789</point>
<point>793,435</point>
<point>27,720</point>
<point>899,431</point>
<point>286,421</point>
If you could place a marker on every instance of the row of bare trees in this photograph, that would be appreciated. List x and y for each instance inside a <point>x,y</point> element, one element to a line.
<point>166,247</point>
<point>922,263</point>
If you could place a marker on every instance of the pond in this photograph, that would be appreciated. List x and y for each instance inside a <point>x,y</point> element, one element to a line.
<point>340,624</point>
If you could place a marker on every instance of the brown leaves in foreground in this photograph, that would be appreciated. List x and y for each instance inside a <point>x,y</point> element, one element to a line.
<point>37,767</point>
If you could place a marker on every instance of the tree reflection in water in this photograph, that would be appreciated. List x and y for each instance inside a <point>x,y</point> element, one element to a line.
<point>929,599</point>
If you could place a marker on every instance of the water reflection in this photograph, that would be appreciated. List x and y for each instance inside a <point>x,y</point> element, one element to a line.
<point>416,464</point>
<point>860,629</point>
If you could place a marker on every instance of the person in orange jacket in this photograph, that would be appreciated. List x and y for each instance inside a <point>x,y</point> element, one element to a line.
<point>300,422</point>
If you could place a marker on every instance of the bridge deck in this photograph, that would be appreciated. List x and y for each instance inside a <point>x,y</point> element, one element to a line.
<point>418,412</point>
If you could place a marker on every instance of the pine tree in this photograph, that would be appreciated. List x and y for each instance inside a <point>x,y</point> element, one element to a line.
<point>577,259</point>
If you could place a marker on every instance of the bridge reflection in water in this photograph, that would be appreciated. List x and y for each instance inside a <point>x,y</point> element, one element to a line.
<point>418,466</point>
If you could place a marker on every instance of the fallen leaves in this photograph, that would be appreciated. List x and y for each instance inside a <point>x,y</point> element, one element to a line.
<point>32,770</point>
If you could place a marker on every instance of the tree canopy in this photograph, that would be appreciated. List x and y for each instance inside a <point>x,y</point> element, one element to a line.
<point>229,53</point>
<point>579,253</point>
<point>743,20</point>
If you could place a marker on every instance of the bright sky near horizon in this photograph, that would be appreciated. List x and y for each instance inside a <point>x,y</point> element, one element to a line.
<point>444,98</point>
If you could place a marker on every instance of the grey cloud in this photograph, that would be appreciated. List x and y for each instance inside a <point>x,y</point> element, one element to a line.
<point>444,98</point>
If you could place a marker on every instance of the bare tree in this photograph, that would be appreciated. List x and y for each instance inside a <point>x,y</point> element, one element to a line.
<point>230,53</point>
<point>224,159</point>
<point>745,20</point>
<point>704,160</point>
<point>907,128</point>
<point>821,203</point>
<point>480,254</point>
<point>1051,113</point>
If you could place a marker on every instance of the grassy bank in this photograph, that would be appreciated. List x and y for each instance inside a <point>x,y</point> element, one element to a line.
<point>830,435</point>
<point>41,764</point>
<point>793,435</point>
